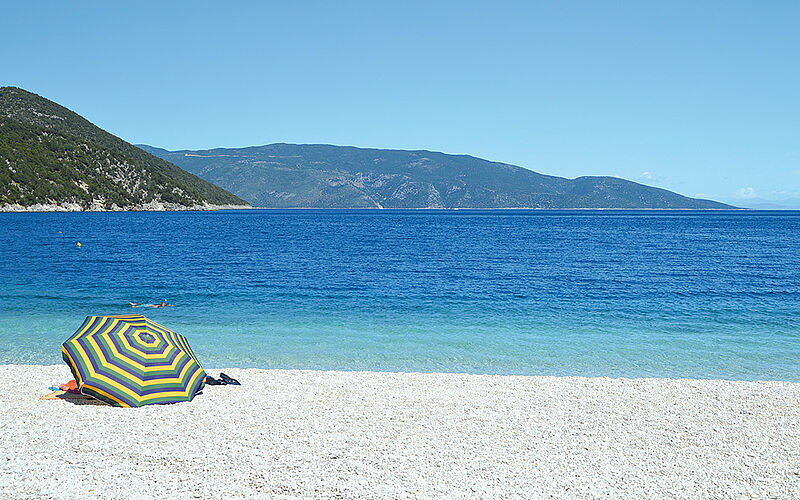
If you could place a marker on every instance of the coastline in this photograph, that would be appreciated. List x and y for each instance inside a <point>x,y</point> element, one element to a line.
<point>206,207</point>
<point>540,209</point>
<point>153,206</point>
<point>376,434</point>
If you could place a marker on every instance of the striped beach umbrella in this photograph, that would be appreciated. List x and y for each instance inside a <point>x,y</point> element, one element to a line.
<point>130,360</point>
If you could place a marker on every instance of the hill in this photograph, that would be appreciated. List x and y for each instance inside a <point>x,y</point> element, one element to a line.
<point>50,157</point>
<point>325,176</point>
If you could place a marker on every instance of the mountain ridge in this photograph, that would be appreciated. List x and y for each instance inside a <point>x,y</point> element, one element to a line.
<point>284,175</point>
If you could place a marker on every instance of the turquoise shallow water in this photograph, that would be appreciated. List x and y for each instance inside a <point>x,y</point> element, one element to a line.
<point>597,293</point>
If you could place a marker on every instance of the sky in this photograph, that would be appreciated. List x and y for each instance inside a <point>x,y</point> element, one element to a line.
<point>702,98</point>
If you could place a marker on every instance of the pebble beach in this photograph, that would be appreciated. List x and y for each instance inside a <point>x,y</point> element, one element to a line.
<point>326,434</point>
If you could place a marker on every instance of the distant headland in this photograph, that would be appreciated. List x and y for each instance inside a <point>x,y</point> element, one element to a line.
<point>326,176</point>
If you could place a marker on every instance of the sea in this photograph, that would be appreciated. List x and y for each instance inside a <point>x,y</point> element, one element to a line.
<point>677,294</point>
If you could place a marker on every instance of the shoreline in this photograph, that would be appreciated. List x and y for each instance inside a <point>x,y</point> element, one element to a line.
<point>148,207</point>
<point>465,374</point>
<point>379,434</point>
<point>539,209</point>
<point>63,208</point>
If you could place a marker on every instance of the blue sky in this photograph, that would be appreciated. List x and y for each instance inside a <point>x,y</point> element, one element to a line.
<point>699,97</point>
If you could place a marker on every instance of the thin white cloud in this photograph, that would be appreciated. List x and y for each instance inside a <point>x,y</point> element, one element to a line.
<point>746,192</point>
<point>783,194</point>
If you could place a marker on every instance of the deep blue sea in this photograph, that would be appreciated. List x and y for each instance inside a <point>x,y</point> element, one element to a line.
<point>595,293</point>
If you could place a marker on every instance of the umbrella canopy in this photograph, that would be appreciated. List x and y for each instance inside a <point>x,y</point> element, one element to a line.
<point>130,360</point>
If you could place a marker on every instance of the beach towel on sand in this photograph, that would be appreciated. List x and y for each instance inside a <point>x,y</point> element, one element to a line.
<point>72,397</point>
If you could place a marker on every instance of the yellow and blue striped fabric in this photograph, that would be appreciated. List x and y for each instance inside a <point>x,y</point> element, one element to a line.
<point>130,360</point>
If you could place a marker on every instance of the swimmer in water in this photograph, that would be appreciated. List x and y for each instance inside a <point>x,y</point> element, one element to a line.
<point>162,304</point>
<point>134,304</point>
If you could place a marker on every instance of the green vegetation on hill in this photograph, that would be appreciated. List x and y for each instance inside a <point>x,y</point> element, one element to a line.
<point>325,176</point>
<point>51,155</point>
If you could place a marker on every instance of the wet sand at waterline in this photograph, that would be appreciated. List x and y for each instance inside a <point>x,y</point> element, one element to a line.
<point>370,434</point>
